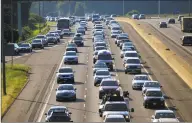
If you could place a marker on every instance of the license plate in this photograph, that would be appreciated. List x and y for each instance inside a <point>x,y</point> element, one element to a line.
<point>154,103</point>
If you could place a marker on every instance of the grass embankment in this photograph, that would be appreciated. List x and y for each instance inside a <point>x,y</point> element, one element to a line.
<point>51,23</point>
<point>16,78</point>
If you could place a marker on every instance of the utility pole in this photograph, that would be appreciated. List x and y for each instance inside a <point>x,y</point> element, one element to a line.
<point>39,15</point>
<point>2,50</point>
<point>123,8</point>
<point>12,40</point>
<point>189,7</point>
<point>159,8</point>
<point>69,8</point>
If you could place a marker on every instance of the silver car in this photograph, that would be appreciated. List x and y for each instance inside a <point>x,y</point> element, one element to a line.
<point>139,80</point>
<point>70,57</point>
<point>99,75</point>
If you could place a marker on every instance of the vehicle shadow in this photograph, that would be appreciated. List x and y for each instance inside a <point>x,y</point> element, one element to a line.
<point>81,64</point>
<point>120,70</point>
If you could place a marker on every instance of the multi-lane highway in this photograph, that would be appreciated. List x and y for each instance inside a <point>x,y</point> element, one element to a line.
<point>170,36</point>
<point>39,94</point>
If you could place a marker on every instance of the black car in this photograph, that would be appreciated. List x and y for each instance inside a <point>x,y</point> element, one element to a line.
<point>59,116</point>
<point>72,49</point>
<point>78,41</point>
<point>186,40</point>
<point>25,47</point>
<point>171,21</point>
<point>37,43</point>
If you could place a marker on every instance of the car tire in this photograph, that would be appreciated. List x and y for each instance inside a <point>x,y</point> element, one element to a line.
<point>125,72</point>
<point>145,105</point>
<point>42,47</point>
<point>100,114</point>
<point>100,97</point>
<point>95,84</point>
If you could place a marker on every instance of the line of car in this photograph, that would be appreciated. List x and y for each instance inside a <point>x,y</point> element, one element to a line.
<point>40,41</point>
<point>114,105</point>
<point>65,79</point>
<point>151,90</point>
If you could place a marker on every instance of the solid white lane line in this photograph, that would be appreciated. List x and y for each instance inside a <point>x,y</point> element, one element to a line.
<point>48,97</point>
<point>85,96</point>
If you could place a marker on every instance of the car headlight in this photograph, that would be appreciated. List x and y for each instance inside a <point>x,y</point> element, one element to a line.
<point>127,117</point>
<point>118,89</point>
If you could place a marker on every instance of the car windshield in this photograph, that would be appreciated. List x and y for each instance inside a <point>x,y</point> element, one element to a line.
<point>154,93</point>
<point>98,27</point>
<point>115,32</point>
<point>100,44</point>
<point>56,109</point>
<point>50,35</point>
<point>70,53</point>
<point>131,55</point>
<point>152,84</point>
<point>127,49</point>
<point>65,70</point>
<point>23,45</point>
<point>120,38</point>
<point>100,65</point>
<point>40,36</point>
<point>133,61</point>
<point>103,73</point>
<point>71,45</point>
<point>36,41</point>
<point>116,107</point>
<point>100,48</point>
<point>78,38</point>
<point>127,44</point>
<point>109,83</point>
<point>115,120</point>
<point>141,78</point>
<point>104,57</point>
<point>115,28</point>
<point>164,115</point>
<point>66,87</point>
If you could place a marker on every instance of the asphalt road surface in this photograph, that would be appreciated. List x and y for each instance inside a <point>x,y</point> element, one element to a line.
<point>169,36</point>
<point>39,94</point>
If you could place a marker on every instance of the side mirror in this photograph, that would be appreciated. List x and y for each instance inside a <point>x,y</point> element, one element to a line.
<point>55,89</point>
<point>73,71</point>
<point>70,113</point>
<point>132,110</point>
<point>57,72</point>
<point>45,114</point>
<point>113,58</point>
<point>125,93</point>
<point>75,88</point>
<point>161,86</point>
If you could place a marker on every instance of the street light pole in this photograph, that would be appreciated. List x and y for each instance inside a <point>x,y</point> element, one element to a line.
<point>3,51</point>
<point>159,8</point>
<point>189,7</point>
<point>123,8</point>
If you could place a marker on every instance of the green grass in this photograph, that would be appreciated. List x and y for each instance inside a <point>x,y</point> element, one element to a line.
<point>50,23</point>
<point>16,77</point>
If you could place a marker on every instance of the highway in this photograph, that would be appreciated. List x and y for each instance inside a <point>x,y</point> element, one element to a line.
<point>39,94</point>
<point>170,36</point>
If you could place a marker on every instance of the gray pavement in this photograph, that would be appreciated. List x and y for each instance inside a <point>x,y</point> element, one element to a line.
<point>42,83</point>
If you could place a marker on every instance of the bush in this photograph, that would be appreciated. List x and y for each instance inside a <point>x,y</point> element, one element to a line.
<point>26,32</point>
<point>34,18</point>
<point>130,13</point>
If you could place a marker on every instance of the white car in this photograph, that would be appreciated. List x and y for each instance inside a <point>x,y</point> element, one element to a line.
<point>164,116</point>
<point>124,50</point>
<point>149,85</point>
<point>114,118</point>
<point>139,80</point>
<point>129,54</point>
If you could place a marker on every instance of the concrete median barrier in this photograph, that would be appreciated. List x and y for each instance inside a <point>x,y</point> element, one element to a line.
<point>179,65</point>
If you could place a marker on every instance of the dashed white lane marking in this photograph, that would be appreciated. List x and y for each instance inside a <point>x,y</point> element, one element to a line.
<point>85,81</point>
<point>84,105</point>
<point>85,96</point>
<point>84,116</point>
<point>86,89</point>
